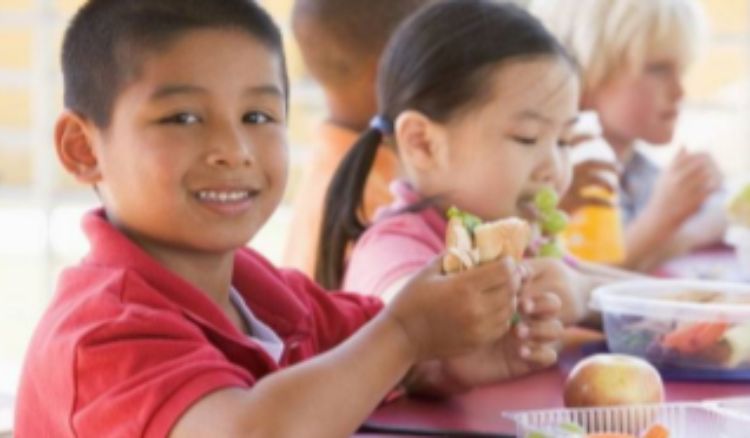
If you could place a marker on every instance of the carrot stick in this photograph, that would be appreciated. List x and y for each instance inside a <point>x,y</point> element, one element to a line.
<point>695,337</point>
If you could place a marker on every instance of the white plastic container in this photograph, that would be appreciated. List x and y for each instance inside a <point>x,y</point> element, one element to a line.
<point>683,420</point>
<point>737,408</point>
<point>647,318</point>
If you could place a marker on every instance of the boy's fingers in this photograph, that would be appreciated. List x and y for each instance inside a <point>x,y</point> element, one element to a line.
<point>538,355</point>
<point>540,305</point>
<point>534,269</point>
<point>525,270</point>
<point>491,276</point>
<point>548,330</point>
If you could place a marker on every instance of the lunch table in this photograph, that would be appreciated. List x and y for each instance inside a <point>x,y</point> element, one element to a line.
<point>481,410</point>
<point>714,263</point>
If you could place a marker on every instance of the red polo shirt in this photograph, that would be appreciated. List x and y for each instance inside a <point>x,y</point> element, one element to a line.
<point>127,346</point>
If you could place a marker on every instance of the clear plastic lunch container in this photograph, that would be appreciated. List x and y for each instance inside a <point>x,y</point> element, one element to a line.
<point>681,420</point>
<point>679,324</point>
<point>737,408</point>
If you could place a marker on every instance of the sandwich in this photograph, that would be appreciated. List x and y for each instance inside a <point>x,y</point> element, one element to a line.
<point>471,242</point>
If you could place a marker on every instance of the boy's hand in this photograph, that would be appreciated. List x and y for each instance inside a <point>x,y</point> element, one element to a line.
<point>531,345</point>
<point>588,173</point>
<point>684,186</point>
<point>552,275</point>
<point>444,316</point>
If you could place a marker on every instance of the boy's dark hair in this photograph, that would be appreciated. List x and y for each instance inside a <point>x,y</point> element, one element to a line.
<point>438,62</point>
<point>339,37</point>
<point>108,40</point>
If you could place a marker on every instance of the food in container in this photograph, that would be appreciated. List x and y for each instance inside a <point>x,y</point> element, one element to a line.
<point>678,323</point>
<point>673,420</point>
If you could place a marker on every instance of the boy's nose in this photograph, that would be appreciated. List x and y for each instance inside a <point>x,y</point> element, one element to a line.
<point>231,151</point>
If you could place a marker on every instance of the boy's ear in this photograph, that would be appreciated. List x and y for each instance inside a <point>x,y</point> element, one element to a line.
<point>420,140</point>
<point>74,143</point>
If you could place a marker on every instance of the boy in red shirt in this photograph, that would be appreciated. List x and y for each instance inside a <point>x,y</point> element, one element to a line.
<point>176,115</point>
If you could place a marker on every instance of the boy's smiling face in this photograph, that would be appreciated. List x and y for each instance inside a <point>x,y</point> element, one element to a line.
<point>195,156</point>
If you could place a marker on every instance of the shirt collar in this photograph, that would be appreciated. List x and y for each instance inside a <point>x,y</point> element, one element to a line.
<point>404,196</point>
<point>254,278</point>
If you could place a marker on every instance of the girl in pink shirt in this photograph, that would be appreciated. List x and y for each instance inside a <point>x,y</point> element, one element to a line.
<point>481,114</point>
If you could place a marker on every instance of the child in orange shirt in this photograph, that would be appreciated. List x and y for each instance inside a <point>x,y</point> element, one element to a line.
<point>176,114</point>
<point>341,42</point>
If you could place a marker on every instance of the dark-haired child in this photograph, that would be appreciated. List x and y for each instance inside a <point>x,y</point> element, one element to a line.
<point>341,42</point>
<point>480,102</point>
<point>176,114</point>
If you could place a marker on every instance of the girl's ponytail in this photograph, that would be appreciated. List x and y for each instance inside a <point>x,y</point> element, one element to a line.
<point>341,222</point>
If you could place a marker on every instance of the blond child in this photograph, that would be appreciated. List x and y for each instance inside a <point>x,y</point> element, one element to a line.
<point>633,55</point>
<point>176,114</point>
<point>340,42</point>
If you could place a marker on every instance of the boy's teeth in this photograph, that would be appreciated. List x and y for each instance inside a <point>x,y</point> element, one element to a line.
<point>216,196</point>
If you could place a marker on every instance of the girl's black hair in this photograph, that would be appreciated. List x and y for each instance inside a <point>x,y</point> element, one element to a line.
<point>437,63</point>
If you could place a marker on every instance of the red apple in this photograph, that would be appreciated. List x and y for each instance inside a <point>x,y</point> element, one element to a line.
<point>611,380</point>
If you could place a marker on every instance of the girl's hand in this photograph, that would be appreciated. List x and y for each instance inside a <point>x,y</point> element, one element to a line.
<point>552,275</point>
<point>444,316</point>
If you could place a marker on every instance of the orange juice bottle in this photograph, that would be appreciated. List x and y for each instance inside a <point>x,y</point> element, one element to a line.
<point>594,232</point>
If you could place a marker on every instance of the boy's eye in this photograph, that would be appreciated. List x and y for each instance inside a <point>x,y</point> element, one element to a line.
<point>256,118</point>
<point>181,119</point>
<point>526,141</point>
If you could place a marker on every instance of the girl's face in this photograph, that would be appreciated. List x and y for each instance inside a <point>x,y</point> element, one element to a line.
<point>641,105</point>
<point>502,152</point>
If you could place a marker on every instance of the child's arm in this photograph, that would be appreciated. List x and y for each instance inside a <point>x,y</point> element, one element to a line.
<point>329,395</point>
<point>654,236</point>
<point>433,317</point>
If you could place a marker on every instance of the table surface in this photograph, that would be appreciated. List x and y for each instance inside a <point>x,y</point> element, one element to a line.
<point>714,263</point>
<point>482,409</point>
